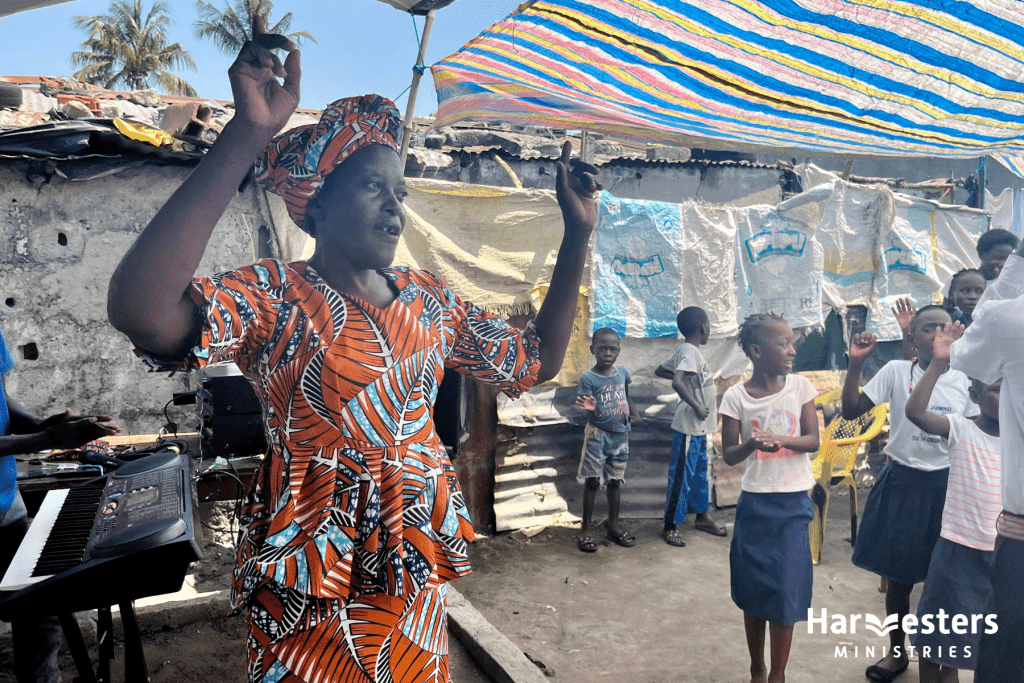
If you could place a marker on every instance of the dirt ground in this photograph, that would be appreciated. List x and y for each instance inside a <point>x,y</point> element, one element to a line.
<point>209,650</point>
<point>658,614</point>
<point>649,614</point>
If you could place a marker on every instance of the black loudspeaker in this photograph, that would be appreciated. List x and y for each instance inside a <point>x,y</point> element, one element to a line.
<point>230,413</point>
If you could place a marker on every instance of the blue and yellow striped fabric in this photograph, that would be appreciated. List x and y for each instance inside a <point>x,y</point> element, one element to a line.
<point>941,78</point>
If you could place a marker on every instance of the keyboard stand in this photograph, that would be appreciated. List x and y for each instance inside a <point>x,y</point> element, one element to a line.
<point>73,637</point>
<point>135,670</point>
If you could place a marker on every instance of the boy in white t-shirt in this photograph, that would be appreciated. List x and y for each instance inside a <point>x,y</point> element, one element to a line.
<point>903,512</point>
<point>960,573</point>
<point>696,417</point>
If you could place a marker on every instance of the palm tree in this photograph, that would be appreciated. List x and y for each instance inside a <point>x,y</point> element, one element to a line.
<point>128,47</point>
<point>231,27</point>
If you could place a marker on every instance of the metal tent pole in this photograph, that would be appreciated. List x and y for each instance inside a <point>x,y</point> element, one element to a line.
<point>417,73</point>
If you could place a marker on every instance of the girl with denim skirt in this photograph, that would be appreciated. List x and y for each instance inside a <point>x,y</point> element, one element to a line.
<point>903,512</point>
<point>769,422</point>
<point>959,578</point>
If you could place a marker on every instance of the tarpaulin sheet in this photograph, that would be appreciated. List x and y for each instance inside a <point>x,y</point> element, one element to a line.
<point>491,244</point>
<point>918,254</point>
<point>1007,210</point>
<point>846,77</point>
<point>651,259</point>
<point>906,265</point>
<point>779,263</point>
<point>637,267</point>
<point>852,221</point>
<point>957,229</point>
<point>838,243</point>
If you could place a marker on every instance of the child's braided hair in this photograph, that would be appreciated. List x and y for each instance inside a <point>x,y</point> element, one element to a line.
<point>948,300</point>
<point>750,330</point>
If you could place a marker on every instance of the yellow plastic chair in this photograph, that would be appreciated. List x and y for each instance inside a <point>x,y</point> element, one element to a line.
<point>836,459</point>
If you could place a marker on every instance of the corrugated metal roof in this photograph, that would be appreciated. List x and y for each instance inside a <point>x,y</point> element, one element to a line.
<point>526,142</point>
<point>110,104</point>
<point>738,163</point>
<point>600,160</point>
<point>523,142</point>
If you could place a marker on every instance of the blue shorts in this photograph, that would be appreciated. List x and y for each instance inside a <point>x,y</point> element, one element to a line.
<point>604,455</point>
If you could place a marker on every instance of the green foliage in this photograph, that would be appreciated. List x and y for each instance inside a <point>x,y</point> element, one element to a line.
<point>231,27</point>
<point>128,48</point>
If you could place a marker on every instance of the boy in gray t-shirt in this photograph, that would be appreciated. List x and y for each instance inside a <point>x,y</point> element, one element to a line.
<point>696,417</point>
<point>603,394</point>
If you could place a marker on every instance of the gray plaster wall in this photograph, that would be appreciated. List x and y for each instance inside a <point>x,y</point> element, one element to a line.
<point>677,183</point>
<point>59,242</point>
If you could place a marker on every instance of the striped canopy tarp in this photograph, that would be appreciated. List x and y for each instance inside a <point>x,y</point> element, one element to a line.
<point>941,78</point>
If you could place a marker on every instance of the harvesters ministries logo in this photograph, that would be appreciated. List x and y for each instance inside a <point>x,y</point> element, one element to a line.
<point>823,623</point>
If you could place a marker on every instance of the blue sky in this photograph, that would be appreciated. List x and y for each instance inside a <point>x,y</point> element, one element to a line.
<point>362,45</point>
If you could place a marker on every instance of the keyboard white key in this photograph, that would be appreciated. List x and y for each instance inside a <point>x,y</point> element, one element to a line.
<point>19,574</point>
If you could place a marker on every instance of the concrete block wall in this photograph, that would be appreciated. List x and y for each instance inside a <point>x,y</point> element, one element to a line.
<point>59,242</point>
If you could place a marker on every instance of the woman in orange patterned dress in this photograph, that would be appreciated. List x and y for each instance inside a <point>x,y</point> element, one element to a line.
<point>355,521</point>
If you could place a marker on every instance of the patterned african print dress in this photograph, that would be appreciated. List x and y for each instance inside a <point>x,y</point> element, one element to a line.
<point>355,520</point>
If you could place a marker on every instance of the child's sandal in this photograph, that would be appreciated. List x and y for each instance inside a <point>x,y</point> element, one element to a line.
<point>673,538</point>
<point>623,538</point>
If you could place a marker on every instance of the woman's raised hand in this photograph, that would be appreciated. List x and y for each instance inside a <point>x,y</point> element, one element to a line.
<point>260,99</point>
<point>575,190</point>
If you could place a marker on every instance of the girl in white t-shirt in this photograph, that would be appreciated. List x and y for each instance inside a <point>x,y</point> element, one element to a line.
<point>960,573</point>
<point>903,512</point>
<point>769,422</point>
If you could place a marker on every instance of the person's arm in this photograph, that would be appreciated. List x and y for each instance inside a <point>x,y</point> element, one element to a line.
<point>30,434</point>
<point>904,312</point>
<point>734,452</point>
<point>69,434</point>
<point>809,440</point>
<point>575,192</point>
<point>917,405</point>
<point>148,296</point>
<point>996,328</point>
<point>22,421</point>
<point>663,373</point>
<point>634,415</point>
<point>679,384</point>
<point>855,402</point>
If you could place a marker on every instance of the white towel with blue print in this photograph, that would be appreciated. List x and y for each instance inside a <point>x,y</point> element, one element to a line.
<point>778,260</point>
<point>853,218</point>
<point>652,259</point>
<point>636,267</point>
<point>906,265</point>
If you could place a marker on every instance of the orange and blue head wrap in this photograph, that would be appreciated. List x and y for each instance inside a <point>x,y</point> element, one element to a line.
<point>295,163</point>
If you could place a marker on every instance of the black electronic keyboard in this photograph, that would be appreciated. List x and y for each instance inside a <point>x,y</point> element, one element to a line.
<point>108,541</point>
